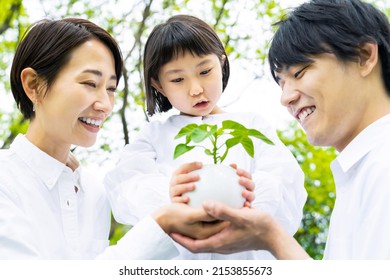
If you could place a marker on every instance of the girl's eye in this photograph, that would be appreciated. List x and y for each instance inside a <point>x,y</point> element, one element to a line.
<point>205,72</point>
<point>298,73</point>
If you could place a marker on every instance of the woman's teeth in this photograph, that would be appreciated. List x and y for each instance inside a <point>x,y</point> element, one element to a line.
<point>92,122</point>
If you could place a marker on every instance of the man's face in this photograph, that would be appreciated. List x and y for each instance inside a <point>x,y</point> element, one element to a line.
<point>323,95</point>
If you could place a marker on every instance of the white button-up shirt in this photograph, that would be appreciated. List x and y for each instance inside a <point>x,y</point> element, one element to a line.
<point>360,223</point>
<point>42,216</point>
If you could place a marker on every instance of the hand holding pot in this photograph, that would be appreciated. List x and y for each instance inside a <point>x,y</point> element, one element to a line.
<point>194,183</point>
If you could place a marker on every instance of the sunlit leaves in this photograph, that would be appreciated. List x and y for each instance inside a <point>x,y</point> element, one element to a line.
<point>239,134</point>
<point>315,163</point>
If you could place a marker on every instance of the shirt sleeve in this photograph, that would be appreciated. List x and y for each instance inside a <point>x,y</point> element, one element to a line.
<point>145,241</point>
<point>16,241</point>
<point>136,187</point>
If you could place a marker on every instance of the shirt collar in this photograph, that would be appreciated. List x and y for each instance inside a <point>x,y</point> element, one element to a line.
<point>47,168</point>
<point>363,143</point>
<point>182,120</point>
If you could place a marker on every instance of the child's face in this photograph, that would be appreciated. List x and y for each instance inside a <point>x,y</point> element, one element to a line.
<point>323,96</point>
<point>192,84</point>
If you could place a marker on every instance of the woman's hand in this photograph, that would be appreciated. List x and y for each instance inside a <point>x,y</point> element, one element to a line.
<point>182,219</point>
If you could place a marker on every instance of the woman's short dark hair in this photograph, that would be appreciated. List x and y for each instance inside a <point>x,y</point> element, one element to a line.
<point>180,34</point>
<point>46,47</point>
<point>330,26</point>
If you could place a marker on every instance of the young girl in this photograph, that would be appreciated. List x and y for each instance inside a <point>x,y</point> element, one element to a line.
<point>186,67</point>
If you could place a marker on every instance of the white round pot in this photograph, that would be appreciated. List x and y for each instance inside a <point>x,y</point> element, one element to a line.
<point>217,182</point>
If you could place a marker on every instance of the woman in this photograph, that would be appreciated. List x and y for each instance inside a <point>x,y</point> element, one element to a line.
<point>63,78</point>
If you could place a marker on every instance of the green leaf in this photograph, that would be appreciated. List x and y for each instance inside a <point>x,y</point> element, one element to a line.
<point>240,135</point>
<point>229,124</point>
<point>182,149</point>
<point>258,134</point>
<point>186,131</point>
<point>199,134</point>
<point>247,143</point>
<point>213,129</point>
<point>232,142</point>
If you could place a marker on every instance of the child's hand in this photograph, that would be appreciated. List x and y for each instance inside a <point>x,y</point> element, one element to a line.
<point>183,181</point>
<point>247,183</point>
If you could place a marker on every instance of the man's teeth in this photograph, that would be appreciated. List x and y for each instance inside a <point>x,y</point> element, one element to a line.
<point>91,121</point>
<point>304,113</point>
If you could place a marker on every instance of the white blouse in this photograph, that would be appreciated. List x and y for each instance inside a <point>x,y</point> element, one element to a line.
<point>43,217</point>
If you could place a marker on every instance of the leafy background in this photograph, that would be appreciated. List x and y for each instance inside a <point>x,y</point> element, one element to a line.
<point>245,28</point>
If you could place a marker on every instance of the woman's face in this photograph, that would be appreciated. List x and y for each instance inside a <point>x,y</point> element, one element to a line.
<point>77,103</point>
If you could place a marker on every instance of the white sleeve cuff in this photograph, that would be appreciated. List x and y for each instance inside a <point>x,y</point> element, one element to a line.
<point>145,241</point>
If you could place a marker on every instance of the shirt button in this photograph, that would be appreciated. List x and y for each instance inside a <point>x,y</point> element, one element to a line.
<point>50,181</point>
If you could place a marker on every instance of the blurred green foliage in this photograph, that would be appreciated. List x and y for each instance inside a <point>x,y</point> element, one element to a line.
<point>315,163</point>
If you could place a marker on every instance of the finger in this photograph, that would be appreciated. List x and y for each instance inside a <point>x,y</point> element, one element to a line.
<point>196,245</point>
<point>185,241</point>
<point>205,230</point>
<point>212,228</point>
<point>181,199</point>
<point>247,204</point>
<point>243,173</point>
<point>249,196</point>
<point>233,165</point>
<point>247,183</point>
<point>188,167</point>
<point>178,190</point>
<point>221,211</point>
<point>184,178</point>
<point>197,215</point>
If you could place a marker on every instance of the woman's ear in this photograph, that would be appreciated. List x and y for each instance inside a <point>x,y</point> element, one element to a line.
<point>223,59</point>
<point>368,58</point>
<point>157,86</point>
<point>29,78</point>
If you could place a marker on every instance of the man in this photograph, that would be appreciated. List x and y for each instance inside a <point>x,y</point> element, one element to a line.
<point>331,59</point>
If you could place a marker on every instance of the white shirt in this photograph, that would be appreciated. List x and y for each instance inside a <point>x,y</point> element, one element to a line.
<point>140,182</point>
<point>360,222</point>
<point>43,217</point>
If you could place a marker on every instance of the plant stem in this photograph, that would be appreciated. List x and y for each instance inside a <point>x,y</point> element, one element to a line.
<point>213,139</point>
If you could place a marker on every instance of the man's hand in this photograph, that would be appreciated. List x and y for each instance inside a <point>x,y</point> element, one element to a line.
<point>248,229</point>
